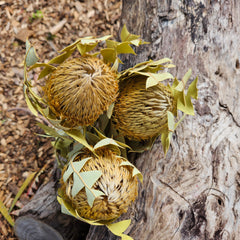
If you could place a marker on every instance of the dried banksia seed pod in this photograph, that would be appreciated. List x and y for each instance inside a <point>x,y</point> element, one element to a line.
<point>141,113</point>
<point>80,90</point>
<point>116,182</point>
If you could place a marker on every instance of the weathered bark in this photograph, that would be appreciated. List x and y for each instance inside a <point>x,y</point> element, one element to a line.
<point>193,192</point>
<point>45,207</point>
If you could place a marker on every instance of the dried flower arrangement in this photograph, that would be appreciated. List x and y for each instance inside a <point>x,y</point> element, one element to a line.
<point>98,114</point>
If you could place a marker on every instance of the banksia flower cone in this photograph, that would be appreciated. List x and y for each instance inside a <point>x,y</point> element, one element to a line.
<point>116,182</point>
<point>140,113</point>
<point>80,90</point>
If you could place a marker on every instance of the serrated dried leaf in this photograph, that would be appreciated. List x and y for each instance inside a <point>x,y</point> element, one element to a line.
<point>192,89</point>
<point>61,58</point>
<point>126,36</point>
<point>180,87</point>
<point>74,166</point>
<point>124,48</point>
<point>109,55</point>
<point>155,78</point>
<point>84,48</point>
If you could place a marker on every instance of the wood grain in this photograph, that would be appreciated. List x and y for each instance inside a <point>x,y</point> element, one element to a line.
<point>193,192</point>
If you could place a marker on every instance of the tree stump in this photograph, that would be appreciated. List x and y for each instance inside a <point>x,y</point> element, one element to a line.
<point>193,192</point>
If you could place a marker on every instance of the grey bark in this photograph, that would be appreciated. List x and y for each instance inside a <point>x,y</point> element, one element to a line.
<point>193,192</point>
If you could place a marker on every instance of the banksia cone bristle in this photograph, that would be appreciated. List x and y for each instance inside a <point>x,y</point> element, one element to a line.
<point>80,90</point>
<point>116,182</point>
<point>140,113</point>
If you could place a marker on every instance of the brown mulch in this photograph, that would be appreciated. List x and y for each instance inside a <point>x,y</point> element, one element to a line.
<point>50,26</point>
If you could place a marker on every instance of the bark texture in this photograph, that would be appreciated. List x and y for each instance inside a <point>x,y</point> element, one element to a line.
<point>193,192</point>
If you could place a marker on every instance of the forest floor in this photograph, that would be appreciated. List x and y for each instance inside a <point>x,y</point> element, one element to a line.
<point>49,26</point>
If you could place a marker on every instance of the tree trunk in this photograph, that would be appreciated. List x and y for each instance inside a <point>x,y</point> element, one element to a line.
<point>193,192</point>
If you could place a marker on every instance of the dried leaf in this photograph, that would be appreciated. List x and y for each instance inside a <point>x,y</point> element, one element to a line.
<point>83,180</point>
<point>126,36</point>
<point>124,48</point>
<point>6,215</point>
<point>109,55</point>
<point>31,55</point>
<point>30,105</point>
<point>192,89</point>
<point>119,227</point>
<point>105,142</point>
<point>182,83</point>
<point>79,137</point>
<point>135,170</point>
<point>154,79</point>
<point>22,188</point>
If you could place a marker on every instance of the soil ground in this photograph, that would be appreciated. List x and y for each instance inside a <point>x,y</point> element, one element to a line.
<point>50,26</point>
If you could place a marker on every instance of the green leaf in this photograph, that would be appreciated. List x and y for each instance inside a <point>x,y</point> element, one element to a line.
<point>47,70</point>
<point>127,36</point>
<point>87,40</point>
<point>6,215</point>
<point>79,137</point>
<point>192,90</point>
<point>91,177</point>
<point>161,61</point>
<point>92,194</point>
<point>110,111</point>
<point>83,48</point>
<point>31,55</point>
<point>175,83</point>
<point>111,44</point>
<point>115,65</point>
<point>171,122</point>
<point>77,185</point>
<point>91,137</point>
<point>68,209</point>
<point>104,38</point>
<point>61,58</point>
<point>124,33</point>
<point>83,179</point>
<point>77,147</point>
<point>52,132</point>
<point>137,42</point>
<point>119,227</point>
<point>140,147</point>
<point>74,166</point>
<point>187,107</point>
<point>125,48</point>
<point>30,105</point>
<point>155,78</point>
<point>135,170</point>
<point>22,188</point>
<point>105,142</point>
<point>166,139</point>
<point>109,55</point>
<point>36,65</point>
<point>180,87</point>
